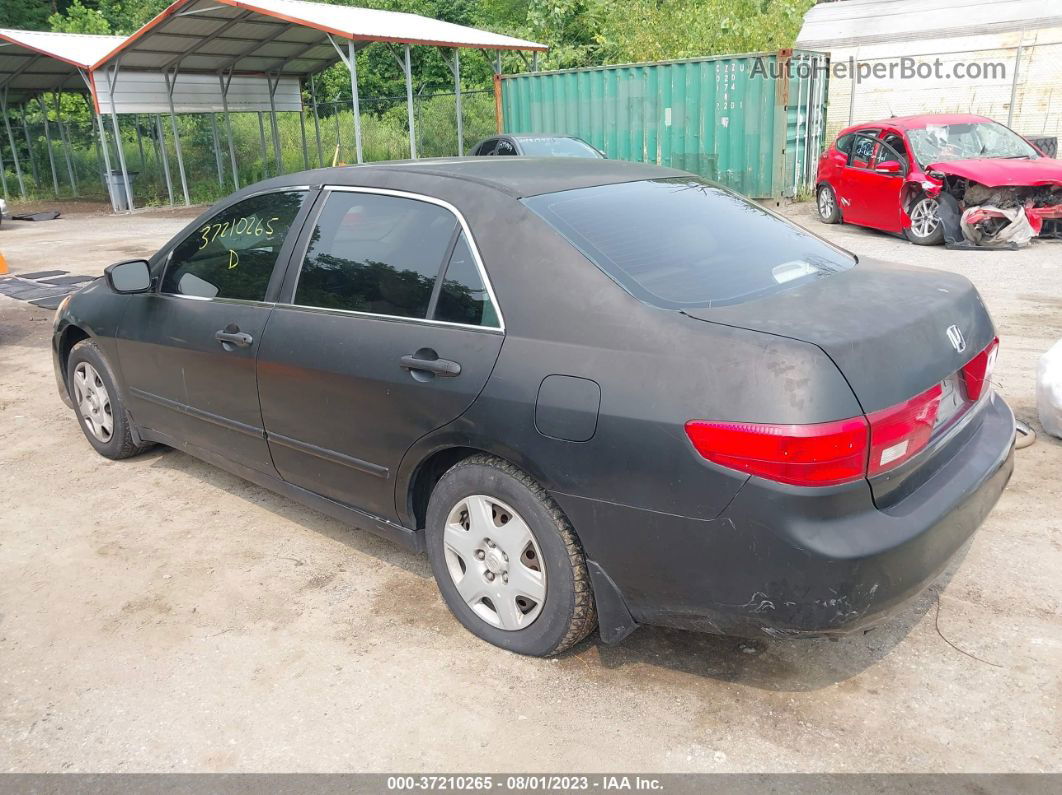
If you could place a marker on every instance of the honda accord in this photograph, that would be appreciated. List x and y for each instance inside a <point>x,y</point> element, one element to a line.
<point>595,393</point>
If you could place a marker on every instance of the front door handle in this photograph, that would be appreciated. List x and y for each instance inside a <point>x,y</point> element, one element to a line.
<point>422,361</point>
<point>229,336</point>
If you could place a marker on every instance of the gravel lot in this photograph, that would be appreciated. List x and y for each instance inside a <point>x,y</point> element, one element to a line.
<point>158,614</point>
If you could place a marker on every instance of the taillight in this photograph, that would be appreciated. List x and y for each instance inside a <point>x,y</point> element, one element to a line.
<point>829,453</point>
<point>804,455</point>
<point>900,432</point>
<point>977,372</point>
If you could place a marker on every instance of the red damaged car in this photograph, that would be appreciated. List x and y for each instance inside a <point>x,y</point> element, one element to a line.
<point>956,176</point>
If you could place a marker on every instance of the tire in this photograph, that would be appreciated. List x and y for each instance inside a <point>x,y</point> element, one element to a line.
<point>98,404</point>
<point>826,204</point>
<point>925,228</point>
<point>538,613</point>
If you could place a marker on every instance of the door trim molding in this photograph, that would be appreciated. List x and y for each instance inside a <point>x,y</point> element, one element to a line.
<point>299,446</point>
<point>325,454</point>
<point>191,411</point>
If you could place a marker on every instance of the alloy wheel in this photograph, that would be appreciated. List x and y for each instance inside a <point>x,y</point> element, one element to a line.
<point>93,402</point>
<point>925,217</point>
<point>826,203</point>
<point>495,562</point>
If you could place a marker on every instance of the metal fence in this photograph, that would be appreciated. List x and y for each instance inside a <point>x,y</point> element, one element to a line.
<point>63,159</point>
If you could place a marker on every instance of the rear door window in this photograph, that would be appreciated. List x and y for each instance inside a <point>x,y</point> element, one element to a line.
<point>686,242</point>
<point>463,296</point>
<point>375,253</point>
<point>233,254</point>
<point>544,146</point>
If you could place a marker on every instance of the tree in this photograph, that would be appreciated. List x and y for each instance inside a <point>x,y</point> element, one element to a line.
<point>652,30</point>
<point>79,19</point>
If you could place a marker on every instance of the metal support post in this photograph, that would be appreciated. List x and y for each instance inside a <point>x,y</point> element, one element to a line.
<point>11,141</point>
<point>170,85</point>
<point>48,142</point>
<point>217,150</point>
<point>228,127</point>
<point>316,122</point>
<point>160,133</point>
<point>112,81</point>
<point>65,143</point>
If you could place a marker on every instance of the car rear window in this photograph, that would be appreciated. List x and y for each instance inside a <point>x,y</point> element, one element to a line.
<point>557,147</point>
<point>685,242</point>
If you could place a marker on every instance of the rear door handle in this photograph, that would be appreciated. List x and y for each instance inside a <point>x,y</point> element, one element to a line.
<point>241,339</point>
<point>443,368</point>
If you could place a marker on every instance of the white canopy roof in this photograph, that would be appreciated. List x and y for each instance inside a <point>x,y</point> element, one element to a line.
<point>282,36</point>
<point>33,61</point>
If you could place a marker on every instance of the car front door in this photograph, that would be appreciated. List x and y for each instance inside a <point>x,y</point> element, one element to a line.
<point>386,330</point>
<point>870,195</point>
<point>188,349</point>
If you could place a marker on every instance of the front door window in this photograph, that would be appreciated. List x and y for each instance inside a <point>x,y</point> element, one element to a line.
<point>232,255</point>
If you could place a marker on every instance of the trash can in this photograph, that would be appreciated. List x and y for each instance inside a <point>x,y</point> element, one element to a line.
<point>116,186</point>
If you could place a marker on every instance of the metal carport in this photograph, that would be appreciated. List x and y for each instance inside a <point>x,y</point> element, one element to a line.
<point>285,38</point>
<point>34,62</point>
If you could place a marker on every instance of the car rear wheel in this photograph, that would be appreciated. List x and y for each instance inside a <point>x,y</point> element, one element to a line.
<point>826,200</point>
<point>506,559</point>
<point>925,228</point>
<point>98,405</point>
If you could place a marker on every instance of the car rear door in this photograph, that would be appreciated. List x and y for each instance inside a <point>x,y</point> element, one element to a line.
<point>369,349</point>
<point>187,349</point>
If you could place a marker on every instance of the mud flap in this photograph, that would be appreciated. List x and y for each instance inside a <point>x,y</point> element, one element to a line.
<point>613,618</point>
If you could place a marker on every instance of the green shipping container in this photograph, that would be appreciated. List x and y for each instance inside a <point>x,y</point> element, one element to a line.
<point>751,122</point>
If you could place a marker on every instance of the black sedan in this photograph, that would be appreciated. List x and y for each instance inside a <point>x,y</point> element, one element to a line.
<point>595,393</point>
<point>535,145</point>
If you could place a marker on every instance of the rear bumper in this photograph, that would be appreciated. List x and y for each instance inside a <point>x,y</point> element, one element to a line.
<point>781,562</point>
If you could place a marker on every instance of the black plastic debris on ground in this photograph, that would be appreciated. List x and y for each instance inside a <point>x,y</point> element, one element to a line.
<point>42,288</point>
<point>52,302</point>
<point>41,274</point>
<point>62,281</point>
<point>47,215</point>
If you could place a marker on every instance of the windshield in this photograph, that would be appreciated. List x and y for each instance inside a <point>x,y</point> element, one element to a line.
<point>685,242</point>
<point>938,142</point>
<point>544,146</point>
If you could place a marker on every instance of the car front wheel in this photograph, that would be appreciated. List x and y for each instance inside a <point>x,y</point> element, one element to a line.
<point>506,559</point>
<point>97,403</point>
<point>826,201</point>
<point>925,228</point>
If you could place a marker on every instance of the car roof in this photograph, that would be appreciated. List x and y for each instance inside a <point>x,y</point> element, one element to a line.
<point>531,136</point>
<point>515,176</point>
<point>918,122</point>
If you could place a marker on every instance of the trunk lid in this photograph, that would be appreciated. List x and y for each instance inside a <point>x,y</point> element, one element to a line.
<point>887,328</point>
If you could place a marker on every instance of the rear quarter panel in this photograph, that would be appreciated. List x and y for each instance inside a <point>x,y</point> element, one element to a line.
<point>656,369</point>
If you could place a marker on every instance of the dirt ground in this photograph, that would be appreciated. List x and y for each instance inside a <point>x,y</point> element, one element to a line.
<point>158,614</point>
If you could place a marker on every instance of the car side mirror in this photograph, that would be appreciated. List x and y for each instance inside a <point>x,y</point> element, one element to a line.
<point>889,167</point>
<point>132,276</point>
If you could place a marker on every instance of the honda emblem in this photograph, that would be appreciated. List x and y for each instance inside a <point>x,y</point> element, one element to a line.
<point>955,337</point>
